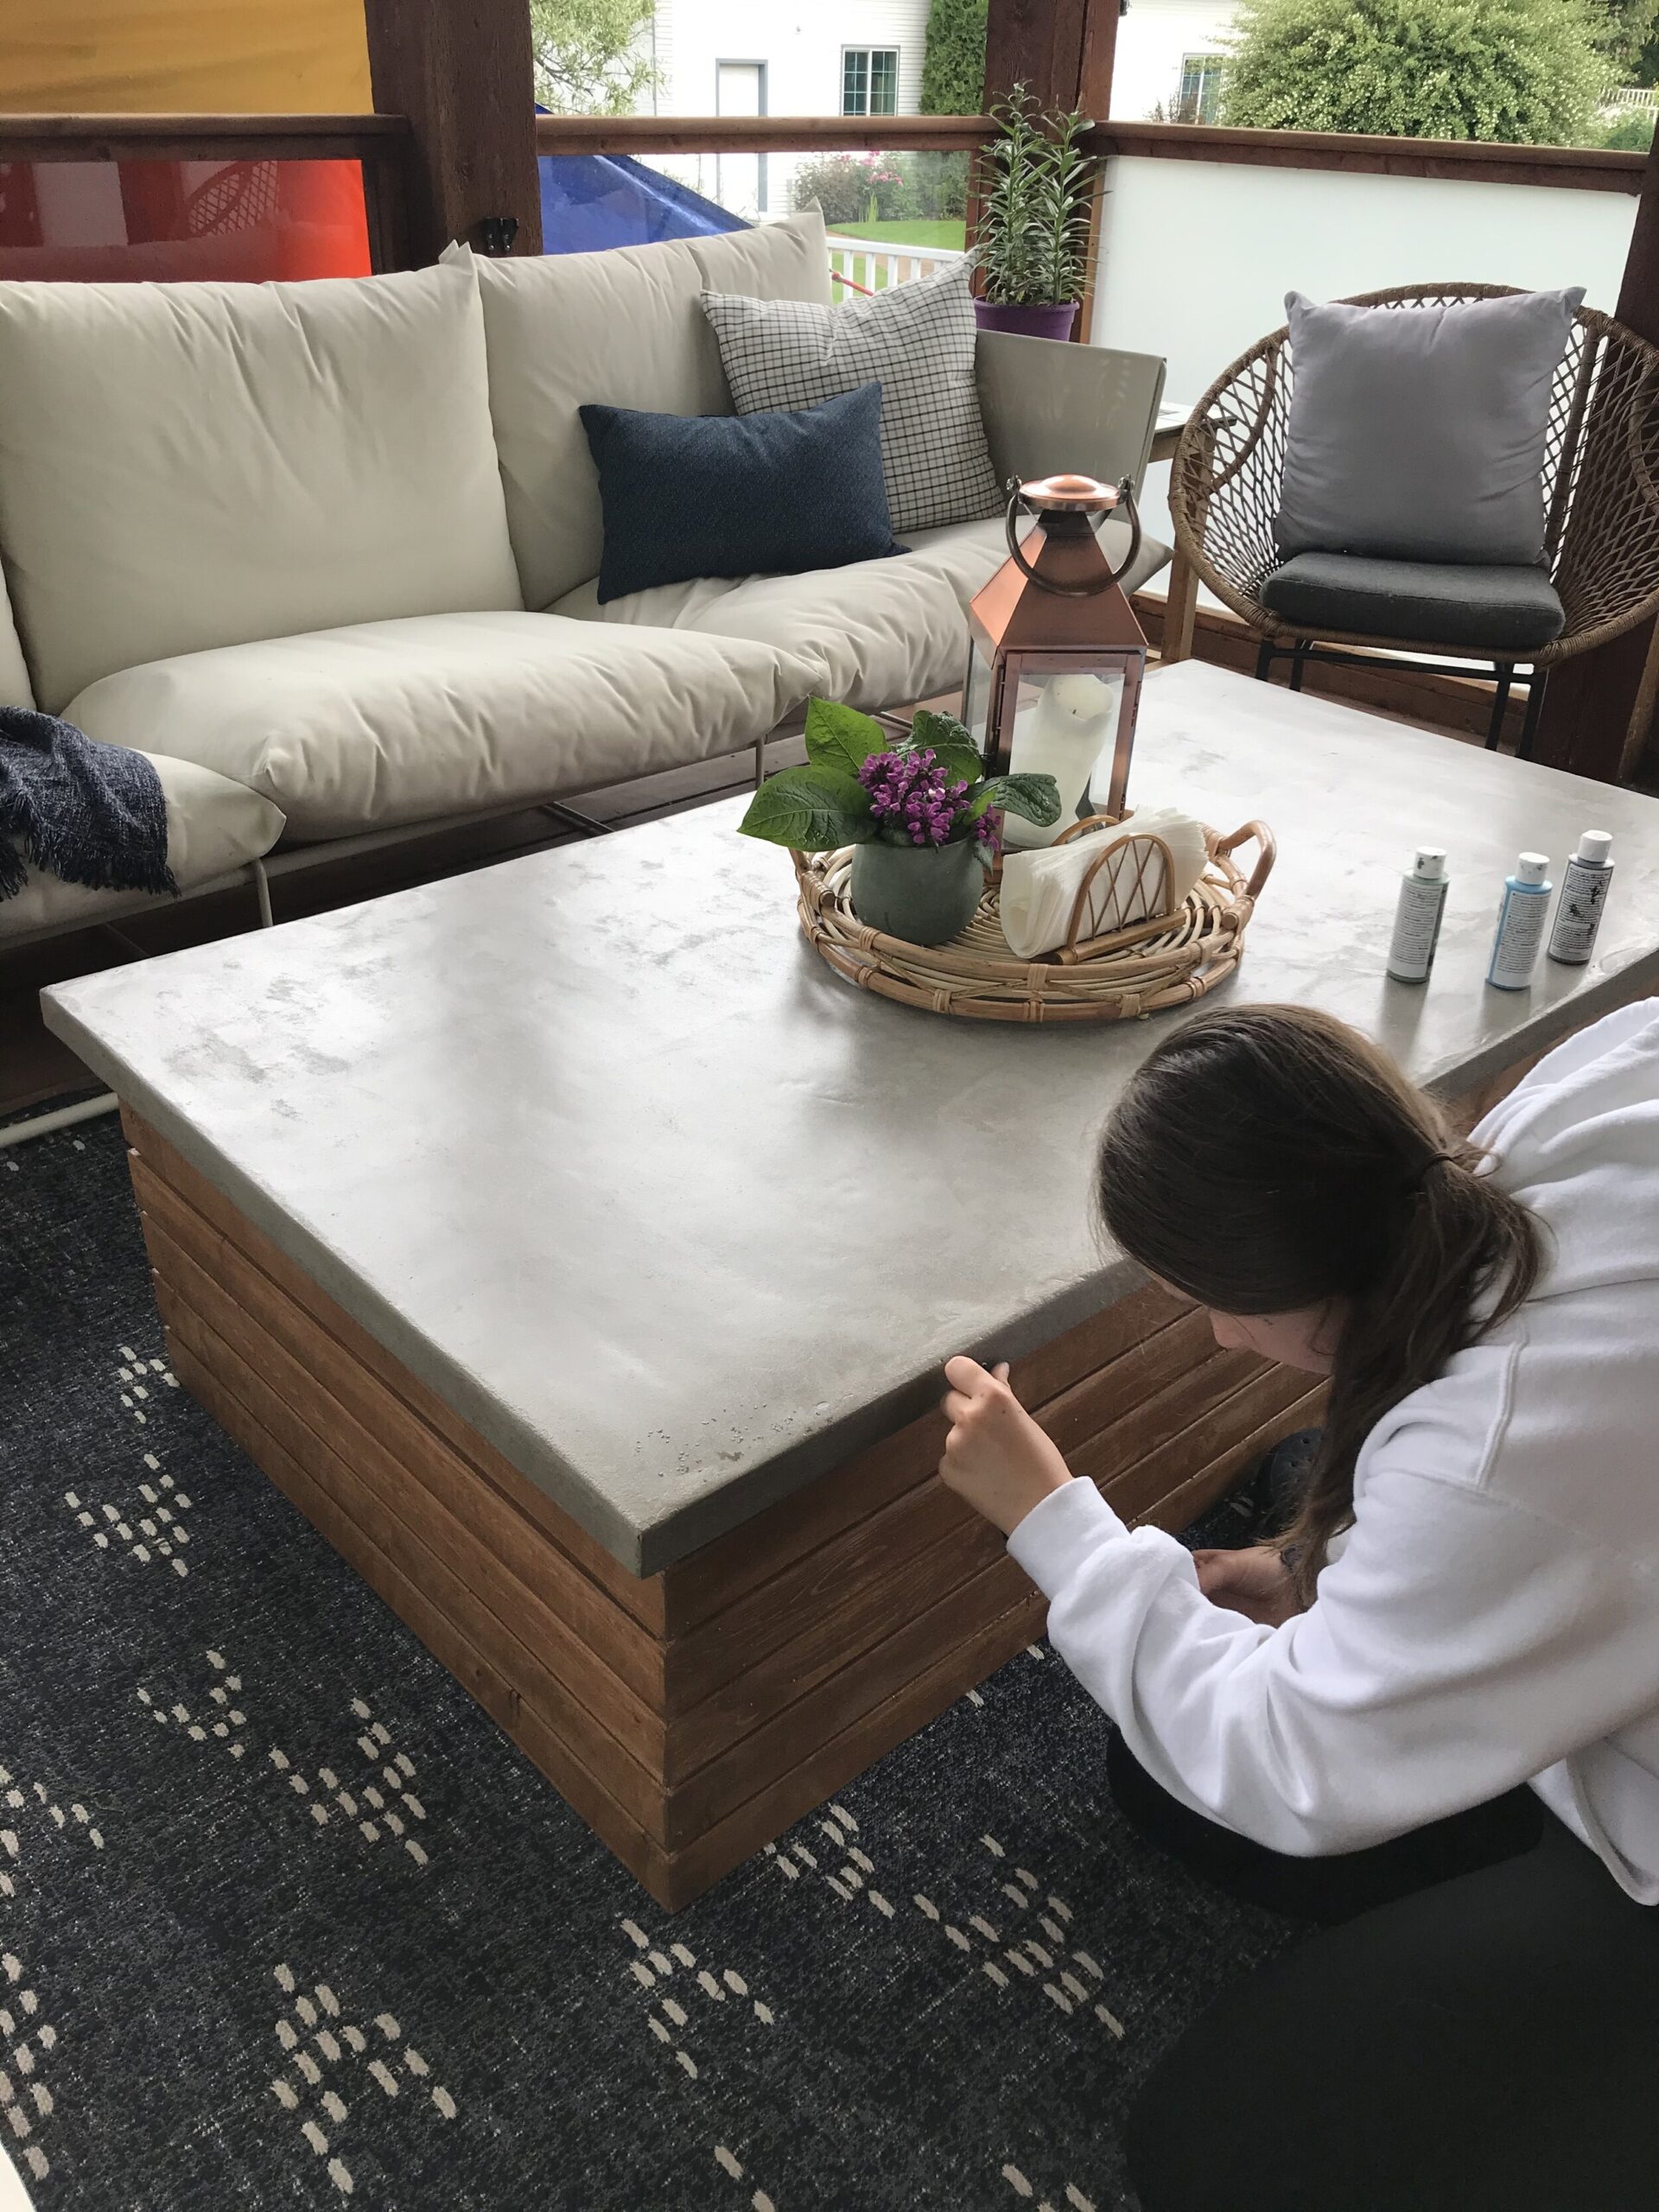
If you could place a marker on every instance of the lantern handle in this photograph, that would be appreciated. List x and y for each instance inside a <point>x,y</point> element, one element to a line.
<point>1126,494</point>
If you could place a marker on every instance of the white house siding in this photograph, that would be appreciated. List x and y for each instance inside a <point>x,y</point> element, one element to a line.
<point>800,46</point>
<point>1153,41</point>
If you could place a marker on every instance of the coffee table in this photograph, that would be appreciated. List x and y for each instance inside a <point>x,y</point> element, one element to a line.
<point>579,1253</point>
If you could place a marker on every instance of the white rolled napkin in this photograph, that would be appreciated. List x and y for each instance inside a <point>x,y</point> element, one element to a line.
<point>1040,889</point>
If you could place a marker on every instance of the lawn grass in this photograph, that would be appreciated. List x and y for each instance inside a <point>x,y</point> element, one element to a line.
<point>951,235</point>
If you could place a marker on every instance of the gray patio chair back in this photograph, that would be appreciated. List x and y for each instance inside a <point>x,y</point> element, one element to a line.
<point>1600,482</point>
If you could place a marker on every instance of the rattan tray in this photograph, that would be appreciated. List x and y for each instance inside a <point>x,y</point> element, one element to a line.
<point>1165,962</point>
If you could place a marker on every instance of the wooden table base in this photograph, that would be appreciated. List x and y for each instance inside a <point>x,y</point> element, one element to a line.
<point>692,1716</point>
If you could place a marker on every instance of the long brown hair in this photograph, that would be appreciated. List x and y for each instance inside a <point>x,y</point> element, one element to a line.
<point>1268,1158</point>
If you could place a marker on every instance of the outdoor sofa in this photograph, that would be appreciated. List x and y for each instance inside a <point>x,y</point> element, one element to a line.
<point>327,551</point>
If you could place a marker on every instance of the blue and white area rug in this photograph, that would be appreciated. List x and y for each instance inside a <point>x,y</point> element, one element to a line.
<point>284,1919</point>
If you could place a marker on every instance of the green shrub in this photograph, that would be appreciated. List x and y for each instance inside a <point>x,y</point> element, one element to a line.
<point>953,67</point>
<point>855,188</point>
<point>1632,134</point>
<point>1521,71</point>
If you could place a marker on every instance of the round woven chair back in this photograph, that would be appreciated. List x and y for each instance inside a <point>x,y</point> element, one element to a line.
<point>1600,479</point>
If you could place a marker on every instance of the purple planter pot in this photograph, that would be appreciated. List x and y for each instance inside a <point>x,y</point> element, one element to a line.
<point>1028,322</point>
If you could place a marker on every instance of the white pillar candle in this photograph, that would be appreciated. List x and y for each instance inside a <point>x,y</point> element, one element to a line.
<point>1064,734</point>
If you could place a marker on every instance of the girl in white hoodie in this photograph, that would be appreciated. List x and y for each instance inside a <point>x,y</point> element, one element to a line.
<point>1427,1718</point>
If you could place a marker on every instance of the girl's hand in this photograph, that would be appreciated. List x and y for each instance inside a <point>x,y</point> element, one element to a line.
<point>996,1459</point>
<point>1255,1582</point>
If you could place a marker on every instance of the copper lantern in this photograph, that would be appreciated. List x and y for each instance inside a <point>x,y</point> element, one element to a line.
<point>1057,656</point>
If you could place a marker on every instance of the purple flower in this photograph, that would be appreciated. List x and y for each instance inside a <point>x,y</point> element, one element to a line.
<point>910,797</point>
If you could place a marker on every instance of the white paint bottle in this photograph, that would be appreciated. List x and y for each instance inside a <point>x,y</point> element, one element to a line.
<point>1521,923</point>
<point>1417,917</point>
<point>1584,892</point>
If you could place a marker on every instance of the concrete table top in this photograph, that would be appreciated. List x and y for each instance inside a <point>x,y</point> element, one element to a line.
<point>596,1144</point>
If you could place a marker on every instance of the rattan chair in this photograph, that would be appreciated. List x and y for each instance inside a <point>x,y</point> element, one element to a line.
<point>1601,486</point>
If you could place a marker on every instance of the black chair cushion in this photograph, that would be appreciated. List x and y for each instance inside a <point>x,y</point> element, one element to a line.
<point>1432,603</point>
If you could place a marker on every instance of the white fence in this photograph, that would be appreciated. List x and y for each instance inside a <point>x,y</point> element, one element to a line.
<point>872,264</point>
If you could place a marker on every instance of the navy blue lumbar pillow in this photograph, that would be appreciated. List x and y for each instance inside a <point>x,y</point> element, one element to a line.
<point>739,495</point>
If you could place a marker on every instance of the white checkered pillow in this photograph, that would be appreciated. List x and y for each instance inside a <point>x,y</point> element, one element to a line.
<point>917,342</point>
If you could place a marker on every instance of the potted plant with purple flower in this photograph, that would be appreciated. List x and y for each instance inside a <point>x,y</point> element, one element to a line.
<point>921,814</point>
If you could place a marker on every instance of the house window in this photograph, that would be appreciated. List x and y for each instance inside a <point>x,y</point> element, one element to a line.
<point>1200,93</point>
<point>869,80</point>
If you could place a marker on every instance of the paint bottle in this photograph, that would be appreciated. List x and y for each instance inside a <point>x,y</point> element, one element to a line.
<point>1417,917</point>
<point>1521,923</point>
<point>1584,892</point>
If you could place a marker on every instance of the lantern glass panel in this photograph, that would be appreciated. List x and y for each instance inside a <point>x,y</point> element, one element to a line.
<point>1061,716</point>
<point>976,700</point>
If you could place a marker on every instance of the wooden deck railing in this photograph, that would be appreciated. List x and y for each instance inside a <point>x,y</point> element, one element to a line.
<point>199,137</point>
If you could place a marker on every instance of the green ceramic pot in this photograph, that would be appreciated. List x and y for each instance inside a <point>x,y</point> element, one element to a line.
<point>924,894</point>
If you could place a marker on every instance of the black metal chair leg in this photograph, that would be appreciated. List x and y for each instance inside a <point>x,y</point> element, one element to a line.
<point>1505,670</point>
<point>1264,661</point>
<point>1298,663</point>
<point>1537,683</point>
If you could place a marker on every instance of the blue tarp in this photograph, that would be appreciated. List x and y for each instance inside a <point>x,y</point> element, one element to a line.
<point>590,201</point>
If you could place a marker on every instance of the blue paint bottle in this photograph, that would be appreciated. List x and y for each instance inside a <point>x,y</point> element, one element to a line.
<point>1521,923</point>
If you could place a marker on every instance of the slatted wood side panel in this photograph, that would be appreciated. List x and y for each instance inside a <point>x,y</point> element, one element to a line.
<point>691,1717</point>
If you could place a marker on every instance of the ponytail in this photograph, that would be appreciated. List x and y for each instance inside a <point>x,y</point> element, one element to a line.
<point>1268,1159</point>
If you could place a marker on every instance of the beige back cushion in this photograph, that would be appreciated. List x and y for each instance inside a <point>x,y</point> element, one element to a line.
<point>624,327</point>
<point>184,466</point>
<point>16,690</point>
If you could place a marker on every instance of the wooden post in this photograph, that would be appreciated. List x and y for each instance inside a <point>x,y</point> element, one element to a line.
<point>1598,709</point>
<point>1062,48</point>
<point>463,71</point>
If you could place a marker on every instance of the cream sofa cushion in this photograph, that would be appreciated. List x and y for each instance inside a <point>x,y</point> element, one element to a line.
<point>184,466</point>
<point>889,632</point>
<point>390,722</point>
<point>213,827</point>
<point>624,327</point>
<point>16,690</point>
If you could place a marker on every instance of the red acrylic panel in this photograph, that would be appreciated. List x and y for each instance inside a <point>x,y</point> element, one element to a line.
<point>115,221</point>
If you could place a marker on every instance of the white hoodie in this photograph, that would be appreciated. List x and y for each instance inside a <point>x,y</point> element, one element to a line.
<point>1492,1617</point>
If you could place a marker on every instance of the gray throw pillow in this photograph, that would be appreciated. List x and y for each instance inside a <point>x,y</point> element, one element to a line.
<point>1418,433</point>
<point>917,342</point>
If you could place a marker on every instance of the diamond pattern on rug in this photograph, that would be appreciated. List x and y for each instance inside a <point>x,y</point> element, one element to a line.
<point>284,1919</point>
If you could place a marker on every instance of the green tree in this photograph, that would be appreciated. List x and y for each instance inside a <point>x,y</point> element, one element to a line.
<point>953,66</point>
<point>1522,71</point>
<point>1625,32</point>
<point>589,55</point>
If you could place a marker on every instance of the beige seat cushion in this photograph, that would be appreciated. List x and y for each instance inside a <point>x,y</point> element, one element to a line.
<point>624,327</point>
<point>889,632</point>
<point>392,722</point>
<point>213,827</point>
<point>184,466</point>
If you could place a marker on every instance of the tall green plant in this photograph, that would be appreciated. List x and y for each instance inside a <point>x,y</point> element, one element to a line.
<point>1035,186</point>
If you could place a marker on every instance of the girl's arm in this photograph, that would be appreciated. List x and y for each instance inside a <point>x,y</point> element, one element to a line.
<point>1459,1645</point>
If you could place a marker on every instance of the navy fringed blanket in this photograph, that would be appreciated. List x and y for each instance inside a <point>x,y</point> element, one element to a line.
<point>89,813</point>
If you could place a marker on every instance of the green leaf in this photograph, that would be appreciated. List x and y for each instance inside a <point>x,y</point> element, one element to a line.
<point>839,737</point>
<point>958,756</point>
<point>810,810</point>
<point>1035,799</point>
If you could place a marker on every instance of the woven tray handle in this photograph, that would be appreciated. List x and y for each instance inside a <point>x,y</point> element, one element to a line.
<point>1267,853</point>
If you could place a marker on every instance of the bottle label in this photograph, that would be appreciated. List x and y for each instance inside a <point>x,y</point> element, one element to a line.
<point>1578,915</point>
<point>1519,933</point>
<point>1416,929</point>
